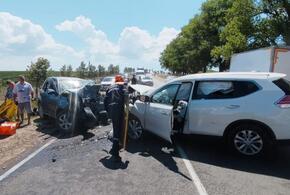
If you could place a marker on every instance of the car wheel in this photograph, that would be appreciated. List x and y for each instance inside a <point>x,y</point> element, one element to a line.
<point>64,123</point>
<point>249,140</point>
<point>135,129</point>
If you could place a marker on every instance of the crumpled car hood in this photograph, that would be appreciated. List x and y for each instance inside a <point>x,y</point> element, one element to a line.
<point>141,88</point>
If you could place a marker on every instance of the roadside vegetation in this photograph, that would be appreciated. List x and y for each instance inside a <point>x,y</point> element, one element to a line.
<point>225,27</point>
<point>38,71</point>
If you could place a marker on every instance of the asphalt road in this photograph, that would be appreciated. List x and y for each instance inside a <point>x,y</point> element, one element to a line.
<point>81,165</point>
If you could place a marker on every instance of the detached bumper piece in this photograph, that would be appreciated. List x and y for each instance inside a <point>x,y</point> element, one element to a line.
<point>90,118</point>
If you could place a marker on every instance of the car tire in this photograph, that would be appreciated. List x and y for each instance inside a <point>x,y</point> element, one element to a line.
<point>63,122</point>
<point>249,140</point>
<point>135,129</point>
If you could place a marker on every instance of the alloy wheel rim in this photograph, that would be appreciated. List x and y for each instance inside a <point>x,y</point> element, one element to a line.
<point>64,123</point>
<point>135,129</point>
<point>248,142</point>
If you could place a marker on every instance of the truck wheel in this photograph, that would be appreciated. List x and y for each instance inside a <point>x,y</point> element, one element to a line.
<point>135,129</point>
<point>249,140</point>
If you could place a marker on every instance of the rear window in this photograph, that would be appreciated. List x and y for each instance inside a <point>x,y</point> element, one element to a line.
<point>284,85</point>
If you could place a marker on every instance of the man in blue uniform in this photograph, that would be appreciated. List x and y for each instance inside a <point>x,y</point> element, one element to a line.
<point>114,105</point>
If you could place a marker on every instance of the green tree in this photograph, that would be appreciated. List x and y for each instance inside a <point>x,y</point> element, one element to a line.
<point>69,71</point>
<point>129,70</point>
<point>276,19</point>
<point>224,27</point>
<point>111,69</point>
<point>190,52</point>
<point>37,72</point>
<point>101,71</point>
<point>238,31</point>
<point>116,69</point>
<point>63,70</point>
<point>91,71</point>
<point>82,70</point>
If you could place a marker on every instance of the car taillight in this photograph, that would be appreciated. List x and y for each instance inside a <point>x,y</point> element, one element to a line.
<point>284,102</point>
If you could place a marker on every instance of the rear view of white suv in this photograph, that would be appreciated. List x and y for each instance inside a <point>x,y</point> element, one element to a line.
<point>250,110</point>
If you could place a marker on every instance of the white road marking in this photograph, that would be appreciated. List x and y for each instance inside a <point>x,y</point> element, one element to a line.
<point>7,173</point>
<point>195,179</point>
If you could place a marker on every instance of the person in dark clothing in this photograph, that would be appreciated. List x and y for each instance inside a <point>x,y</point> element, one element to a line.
<point>114,104</point>
<point>134,80</point>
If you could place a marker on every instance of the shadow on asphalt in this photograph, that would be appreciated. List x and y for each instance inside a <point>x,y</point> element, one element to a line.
<point>214,152</point>
<point>152,146</point>
<point>48,127</point>
<point>110,164</point>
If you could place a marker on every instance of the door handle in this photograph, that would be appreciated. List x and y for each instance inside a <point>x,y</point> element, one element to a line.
<point>233,106</point>
<point>165,113</point>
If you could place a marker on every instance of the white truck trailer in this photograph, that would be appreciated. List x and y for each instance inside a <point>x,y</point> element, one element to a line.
<point>270,59</point>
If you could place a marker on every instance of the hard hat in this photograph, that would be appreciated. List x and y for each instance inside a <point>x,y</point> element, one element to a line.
<point>119,79</point>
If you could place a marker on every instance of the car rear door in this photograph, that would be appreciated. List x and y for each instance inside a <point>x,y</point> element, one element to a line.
<point>215,104</point>
<point>159,112</point>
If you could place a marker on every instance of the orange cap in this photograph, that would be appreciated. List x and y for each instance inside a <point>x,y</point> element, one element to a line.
<point>119,79</point>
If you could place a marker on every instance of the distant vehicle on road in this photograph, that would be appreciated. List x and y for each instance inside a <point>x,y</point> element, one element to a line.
<point>107,82</point>
<point>146,80</point>
<point>73,102</point>
<point>140,71</point>
<point>270,59</point>
<point>251,111</point>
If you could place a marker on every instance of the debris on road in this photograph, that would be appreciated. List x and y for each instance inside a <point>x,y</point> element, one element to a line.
<point>26,138</point>
<point>8,128</point>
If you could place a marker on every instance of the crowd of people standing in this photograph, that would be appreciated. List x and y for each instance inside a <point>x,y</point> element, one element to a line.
<point>17,101</point>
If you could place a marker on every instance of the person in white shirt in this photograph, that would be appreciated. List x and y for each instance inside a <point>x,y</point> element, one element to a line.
<point>24,93</point>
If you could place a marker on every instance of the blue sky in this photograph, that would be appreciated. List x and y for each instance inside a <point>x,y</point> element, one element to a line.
<point>125,32</point>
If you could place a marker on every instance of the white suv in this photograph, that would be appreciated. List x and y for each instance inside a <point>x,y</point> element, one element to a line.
<point>250,110</point>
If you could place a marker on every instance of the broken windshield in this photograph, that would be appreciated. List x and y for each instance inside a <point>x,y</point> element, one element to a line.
<point>72,84</point>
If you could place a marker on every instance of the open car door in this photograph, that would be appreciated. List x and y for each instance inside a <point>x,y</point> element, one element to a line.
<point>159,112</point>
<point>159,120</point>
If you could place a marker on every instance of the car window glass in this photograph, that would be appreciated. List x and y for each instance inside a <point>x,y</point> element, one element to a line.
<point>72,84</point>
<point>52,85</point>
<point>284,85</point>
<point>165,95</point>
<point>184,92</point>
<point>210,88</point>
<point>243,88</point>
<point>224,89</point>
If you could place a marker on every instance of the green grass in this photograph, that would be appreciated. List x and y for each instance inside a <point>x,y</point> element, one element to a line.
<point>12,75</point>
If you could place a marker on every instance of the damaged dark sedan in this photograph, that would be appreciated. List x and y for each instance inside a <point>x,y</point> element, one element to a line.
<point>75,103</point>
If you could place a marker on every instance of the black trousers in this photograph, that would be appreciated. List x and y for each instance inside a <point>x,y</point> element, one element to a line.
<point>117,114</point>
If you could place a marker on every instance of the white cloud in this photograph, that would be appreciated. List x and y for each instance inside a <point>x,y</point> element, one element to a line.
<point>84,29</point>
<point>22,41</point>
<point>135,46</point>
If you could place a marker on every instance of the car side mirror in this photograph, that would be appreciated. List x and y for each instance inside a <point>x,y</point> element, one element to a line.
<point>144,98</point>
<point>51,92</point>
